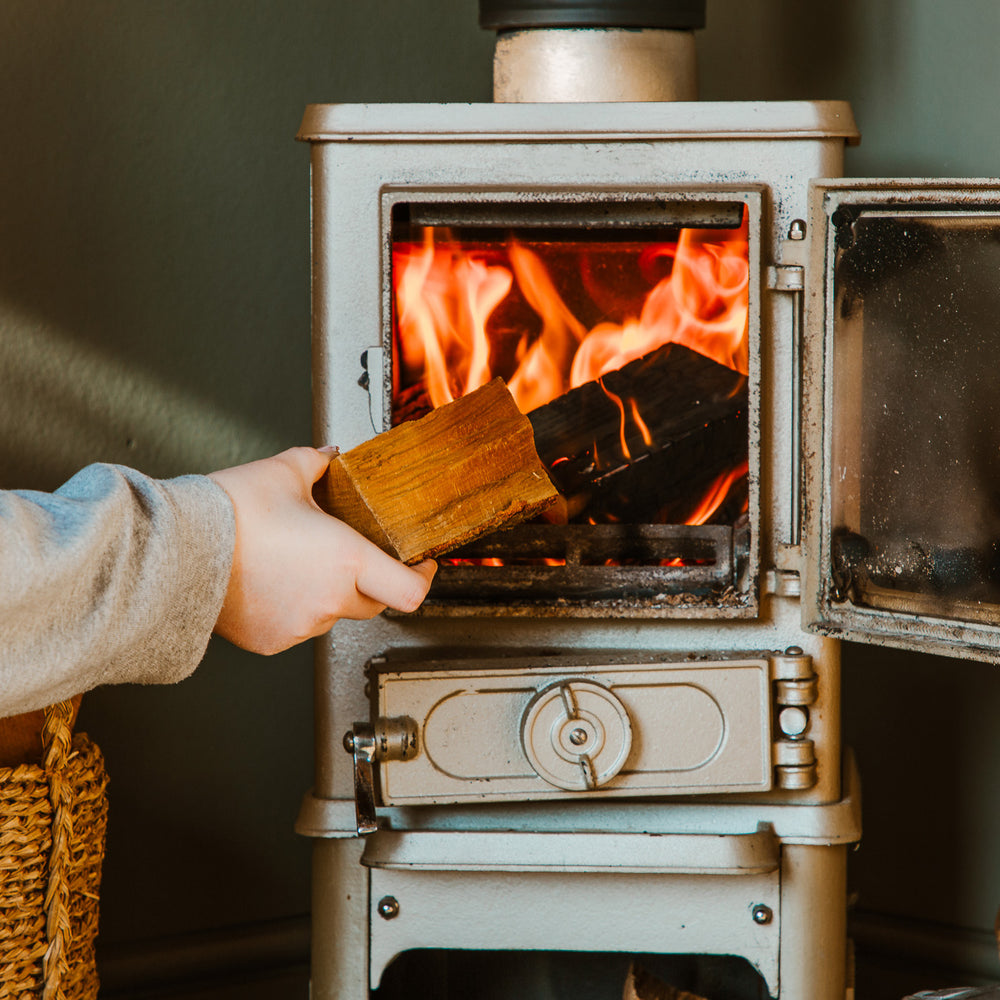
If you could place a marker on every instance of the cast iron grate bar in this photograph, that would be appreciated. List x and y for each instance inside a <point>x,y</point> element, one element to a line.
<point>601,560</point>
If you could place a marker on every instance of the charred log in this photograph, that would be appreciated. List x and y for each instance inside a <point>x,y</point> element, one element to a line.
<point>645,443</point>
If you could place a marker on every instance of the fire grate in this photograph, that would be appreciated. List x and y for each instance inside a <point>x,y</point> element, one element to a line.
<point>594,563</point>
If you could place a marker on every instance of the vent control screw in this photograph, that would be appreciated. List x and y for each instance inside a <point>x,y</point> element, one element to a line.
<point>578,737</point>
<point>388,907</point>
<point>761,914</point>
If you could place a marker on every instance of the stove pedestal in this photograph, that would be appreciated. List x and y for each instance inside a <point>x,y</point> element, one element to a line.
<point>764,882</point>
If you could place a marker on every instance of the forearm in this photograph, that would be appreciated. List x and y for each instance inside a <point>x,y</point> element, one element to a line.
<point>115,577</point>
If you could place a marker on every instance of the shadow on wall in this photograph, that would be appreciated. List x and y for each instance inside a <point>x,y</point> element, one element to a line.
<point>65,401</point>
<point>154,259</point>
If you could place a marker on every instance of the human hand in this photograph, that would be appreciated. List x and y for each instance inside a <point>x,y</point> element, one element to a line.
<point>296,570</point>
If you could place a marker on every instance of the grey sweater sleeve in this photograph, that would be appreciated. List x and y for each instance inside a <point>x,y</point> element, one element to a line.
<point>114,577</point>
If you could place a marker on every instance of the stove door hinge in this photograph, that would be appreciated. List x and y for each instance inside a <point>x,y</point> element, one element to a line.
<point>786,278</point>
<point>784,579</point>
<point>795,689</point>
<point>387,739</point>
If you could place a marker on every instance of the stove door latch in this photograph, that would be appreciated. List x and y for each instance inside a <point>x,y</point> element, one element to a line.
<point>387,739</point>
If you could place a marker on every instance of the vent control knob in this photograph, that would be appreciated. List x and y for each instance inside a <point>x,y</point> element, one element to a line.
<point>576,735</point>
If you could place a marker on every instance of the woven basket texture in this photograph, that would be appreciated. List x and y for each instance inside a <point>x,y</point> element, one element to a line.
<point>53,818</point>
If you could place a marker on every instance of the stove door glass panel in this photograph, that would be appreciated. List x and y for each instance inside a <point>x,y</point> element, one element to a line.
<point>912,531</point>
<point>622,329</point>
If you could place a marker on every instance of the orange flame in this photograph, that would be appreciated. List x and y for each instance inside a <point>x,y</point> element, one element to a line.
<point>647,437</point>
<point>716,493</point>
<point>445,296</point>
<point>702,304</point>
<point>444,300</point>
<point>617,400</point>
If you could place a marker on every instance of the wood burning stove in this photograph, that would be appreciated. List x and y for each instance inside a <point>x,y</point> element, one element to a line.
<point>618,698</point>
<point>751,381</point>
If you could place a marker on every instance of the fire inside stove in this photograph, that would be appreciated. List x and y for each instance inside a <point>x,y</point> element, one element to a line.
<point>622,332</point>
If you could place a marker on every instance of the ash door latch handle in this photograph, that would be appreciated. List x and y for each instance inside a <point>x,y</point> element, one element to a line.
<point>387,739</point>
<point>360,741</point>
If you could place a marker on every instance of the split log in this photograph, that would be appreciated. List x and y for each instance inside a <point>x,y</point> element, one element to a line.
<point>429,485</point>
<point>648,438</point>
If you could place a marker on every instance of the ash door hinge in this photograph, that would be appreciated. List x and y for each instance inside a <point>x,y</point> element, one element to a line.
<point>795,689</point>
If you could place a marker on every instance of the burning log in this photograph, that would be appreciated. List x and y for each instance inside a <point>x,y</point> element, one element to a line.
<point>429,485</point>
<point>647,439</point>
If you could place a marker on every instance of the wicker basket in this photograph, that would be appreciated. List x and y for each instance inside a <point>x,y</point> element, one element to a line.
<point>53,819</point>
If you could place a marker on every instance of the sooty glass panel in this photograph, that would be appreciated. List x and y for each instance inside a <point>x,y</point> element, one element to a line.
<point>916,447</point>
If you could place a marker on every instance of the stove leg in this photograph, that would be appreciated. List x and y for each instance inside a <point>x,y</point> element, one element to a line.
<point>813,923</point>
<point>339,921</point>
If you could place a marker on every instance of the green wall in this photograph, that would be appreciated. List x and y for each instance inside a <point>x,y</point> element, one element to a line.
<point>154,298</point>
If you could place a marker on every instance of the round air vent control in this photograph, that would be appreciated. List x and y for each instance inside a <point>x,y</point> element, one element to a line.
<point>576,734</point>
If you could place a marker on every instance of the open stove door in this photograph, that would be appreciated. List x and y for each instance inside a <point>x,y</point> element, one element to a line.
<point>901,414</point>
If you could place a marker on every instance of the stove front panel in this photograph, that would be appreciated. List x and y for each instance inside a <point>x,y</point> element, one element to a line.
<point>368,161</point>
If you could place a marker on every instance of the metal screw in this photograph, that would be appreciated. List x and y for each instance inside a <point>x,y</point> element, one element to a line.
<point>793,651</point>
<point>797,230</point>
<point>761,914</point>
<point>349,741</point>
<point>388,907</point>
<point>578,737</point>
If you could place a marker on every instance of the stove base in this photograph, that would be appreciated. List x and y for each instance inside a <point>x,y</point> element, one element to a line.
<point>771,889</point>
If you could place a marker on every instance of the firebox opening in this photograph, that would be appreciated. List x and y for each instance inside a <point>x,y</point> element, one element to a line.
<point>621,327</point>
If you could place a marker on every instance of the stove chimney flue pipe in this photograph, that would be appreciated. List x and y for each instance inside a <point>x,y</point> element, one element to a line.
<point>616,50</point>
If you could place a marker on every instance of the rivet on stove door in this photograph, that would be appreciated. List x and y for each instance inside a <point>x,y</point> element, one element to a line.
<point>797,230</point>
<point>388,907</point>
<point>762,914</point>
